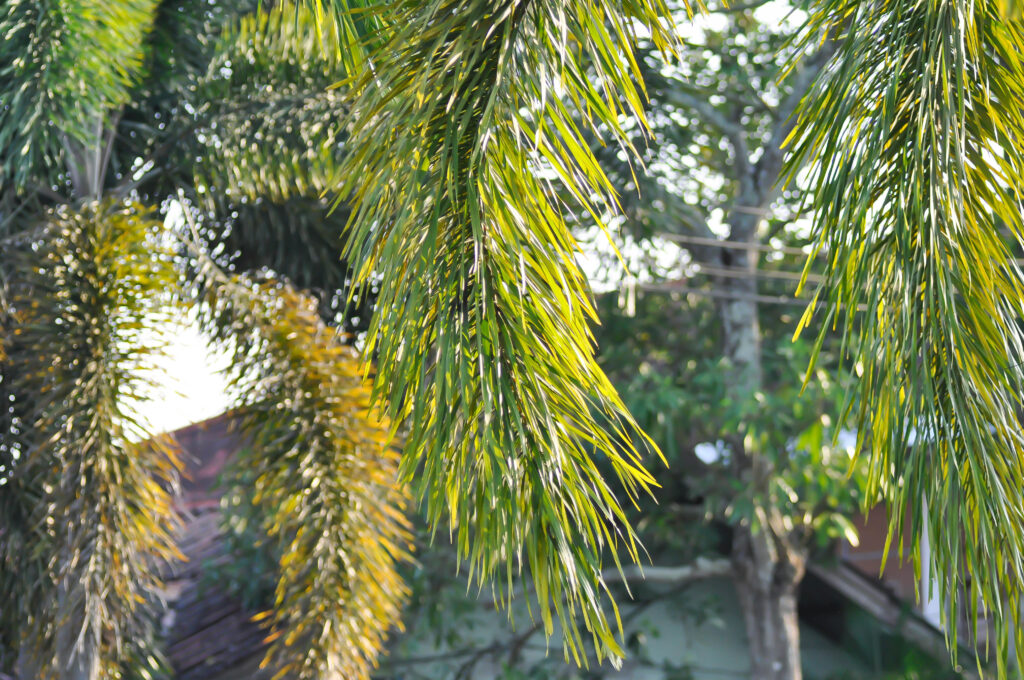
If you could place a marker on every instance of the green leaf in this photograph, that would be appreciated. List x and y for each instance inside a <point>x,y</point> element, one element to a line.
<point>47,102</point>
<point>459,132</point>
<point>913,134</point>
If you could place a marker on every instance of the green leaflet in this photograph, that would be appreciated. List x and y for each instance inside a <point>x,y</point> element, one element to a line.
<point>914,140</point>
<point>271,123</point>
<point>46,49</point>
<point>459,127</point>
<point>325,475</point>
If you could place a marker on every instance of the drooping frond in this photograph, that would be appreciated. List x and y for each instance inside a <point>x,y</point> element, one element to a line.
<point>272,123</point>
<point>95,518</point>
<point>325,474</point>
<point>184,38</point>
<point>156,143</point>
<point>65,67</point>
<point>914,136</point>
<point>461,130</point>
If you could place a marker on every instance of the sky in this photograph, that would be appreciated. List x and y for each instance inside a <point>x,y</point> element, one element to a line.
<point>190,387</point>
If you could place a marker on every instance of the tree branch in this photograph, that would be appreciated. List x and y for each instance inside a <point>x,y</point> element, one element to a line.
<point>769,165</point>
<point>737,8</point>
<point>704,244</point>
<point>734,133</point>
<point>703,568</point>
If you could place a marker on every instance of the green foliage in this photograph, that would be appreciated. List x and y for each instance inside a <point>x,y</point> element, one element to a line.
<point>48,46</point>
<point>267,144</point>
<point>723,87</point>
<point>467,127</point>
<point>272,128</point>
<point>250,575</point>
<point>913,137</point>
<point>327,477</point>
<point>666,360</point>
<point>89,514</point>
<point>481,326</point>
<point>324,466</point>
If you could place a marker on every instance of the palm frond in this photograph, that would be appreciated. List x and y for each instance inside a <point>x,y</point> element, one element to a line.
<point>461,129</point>
<point>325,474</point>
<point>273,127</point>
<point>914,136</point>
<point>96,514</point>
<point>268,143</point>
<point>15,503</point>
<point>64,68</point>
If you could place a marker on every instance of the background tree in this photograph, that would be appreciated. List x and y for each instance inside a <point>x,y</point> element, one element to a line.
<point>722,117</point>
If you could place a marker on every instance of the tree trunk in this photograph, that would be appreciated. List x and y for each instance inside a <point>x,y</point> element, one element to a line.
<point>767,585</point>
<point>77,639</point>
<point>87,160</point>
<point>767,565</point>
<point>77,659</point>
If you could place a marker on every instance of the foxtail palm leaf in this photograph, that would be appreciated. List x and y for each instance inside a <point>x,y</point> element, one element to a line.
<point>268,144</point>
<point>271,125</point>
<point>325,473</point>
<point>914,139</point>
<point>460,131</point>
<point>65,68</point>
<point>89,515</point>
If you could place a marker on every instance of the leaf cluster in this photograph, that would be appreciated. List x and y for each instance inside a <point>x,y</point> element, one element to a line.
<point>913,135</point>
<point>87,510</point>
<point>481,328</point>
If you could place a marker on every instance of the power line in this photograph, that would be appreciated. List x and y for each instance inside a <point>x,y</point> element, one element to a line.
<point>742,273</point>
<point>734,245</point>
<point>758,247</point>
<point>675,287</point>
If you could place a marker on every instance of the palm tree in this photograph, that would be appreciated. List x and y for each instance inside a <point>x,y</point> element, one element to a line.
<point>176,96</point>
<point>108,110</point>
